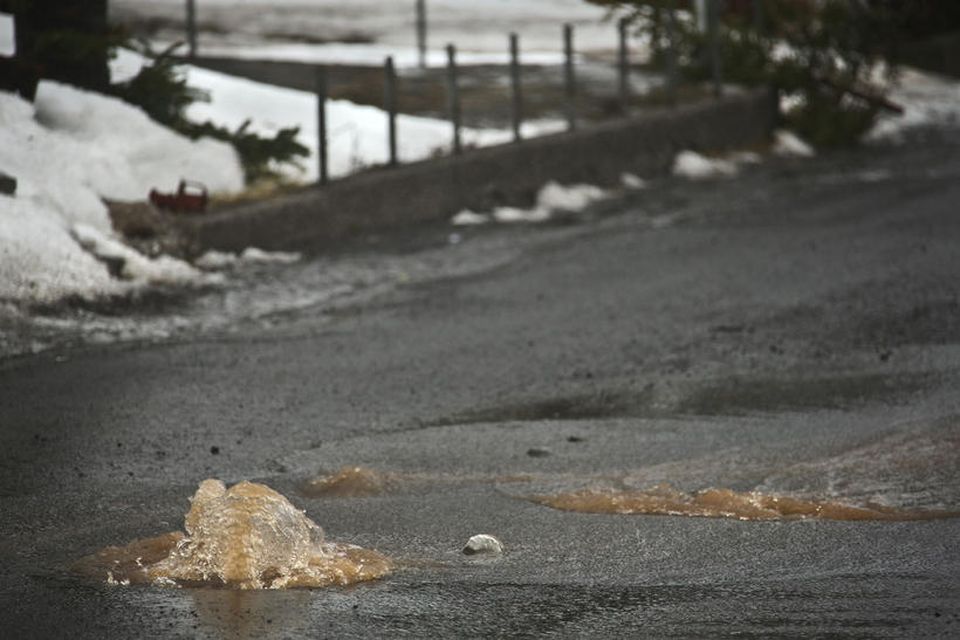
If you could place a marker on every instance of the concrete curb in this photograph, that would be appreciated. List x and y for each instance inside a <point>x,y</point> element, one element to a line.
<point>509,174</point>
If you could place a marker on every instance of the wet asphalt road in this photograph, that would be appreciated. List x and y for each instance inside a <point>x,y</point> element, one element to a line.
<point>794,330</point>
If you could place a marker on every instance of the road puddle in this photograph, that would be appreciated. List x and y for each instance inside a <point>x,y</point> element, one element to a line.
<point>245,537</point>
<point>725,503</point>
<point>566,492</point>
<point>348,482</point>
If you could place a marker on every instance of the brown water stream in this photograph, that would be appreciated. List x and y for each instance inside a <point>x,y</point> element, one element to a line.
<point>725,503</point>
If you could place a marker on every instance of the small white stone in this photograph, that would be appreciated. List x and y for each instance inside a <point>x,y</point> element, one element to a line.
<point>483,543</point>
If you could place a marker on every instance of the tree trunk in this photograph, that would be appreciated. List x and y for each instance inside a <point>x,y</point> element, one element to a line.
<point>64,40</point>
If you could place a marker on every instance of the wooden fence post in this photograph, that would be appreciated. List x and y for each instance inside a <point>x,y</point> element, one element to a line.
<point>713,37</point>
<point>192,29</point>
<point>516,104</point>
<point>570,80</point>
<point>422,32</point>
<point>672,71</point>
<point>322,158</point>
<point>453,97</point>
<point>624,64</point>
<point>390,106</point>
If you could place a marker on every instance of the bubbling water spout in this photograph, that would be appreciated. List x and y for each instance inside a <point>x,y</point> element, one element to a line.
<point>245,537</point>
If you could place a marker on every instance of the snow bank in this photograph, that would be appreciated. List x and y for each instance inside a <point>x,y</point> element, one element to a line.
<point>135,266</point>
<point>54,171</point>
<point>357,133</point>
<point>927,99</point>
<point>692,165</point>
<point>553,197</point>
<point>39,260</point>
<point>144,154</point>
<point>68,151</point>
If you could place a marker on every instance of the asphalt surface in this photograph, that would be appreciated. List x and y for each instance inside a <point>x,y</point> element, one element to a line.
<point>794,330</point>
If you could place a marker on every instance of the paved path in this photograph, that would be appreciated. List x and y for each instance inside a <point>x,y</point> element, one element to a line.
<point>796,329</point>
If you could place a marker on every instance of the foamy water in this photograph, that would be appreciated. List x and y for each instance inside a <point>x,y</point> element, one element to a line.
<point>245,537</point>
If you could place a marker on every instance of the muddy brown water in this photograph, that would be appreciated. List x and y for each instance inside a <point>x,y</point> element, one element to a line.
<point>245,537</point>
<point>249,536</point>
<point>661,499</point>
<point>664,500</point>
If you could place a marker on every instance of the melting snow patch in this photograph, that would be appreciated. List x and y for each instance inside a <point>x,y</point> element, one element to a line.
<point>135,266</point>
<point>927,99</point>
<point>692,165</point>
<point>633,181</point>
<point>552,197</point>
<point>215,261</point>
<point>746,157</point>
<point>467,218</point>
<point>252,254</point>
<point>68,151</point>
<point>557,197</point>
<point>40,261</point>
<point>511,215</point>
<point>787,144</point>
<point>220,260</point>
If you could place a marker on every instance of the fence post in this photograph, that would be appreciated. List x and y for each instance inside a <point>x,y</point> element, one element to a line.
<point>713,27</point>
<point>702,10</point>
<point>624,60</point>
<point>453,96</point>
<point>390,105</point>
<point>192,29</point>
<point>516,106</point>
<point>569,77</point>
<point>671,53</point>
<point>759,19</point>
<point>320,82</point>
<point>422,32</point>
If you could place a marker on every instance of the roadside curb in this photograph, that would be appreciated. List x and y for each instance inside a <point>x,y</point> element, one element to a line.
<point>508,174</point>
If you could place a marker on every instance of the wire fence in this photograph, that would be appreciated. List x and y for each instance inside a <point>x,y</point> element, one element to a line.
<point>706,13</point>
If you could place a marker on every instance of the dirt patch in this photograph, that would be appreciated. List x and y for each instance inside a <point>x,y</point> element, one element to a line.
<point>149,230</point>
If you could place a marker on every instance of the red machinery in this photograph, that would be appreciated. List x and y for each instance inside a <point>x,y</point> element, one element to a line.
<point>191,197</point>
